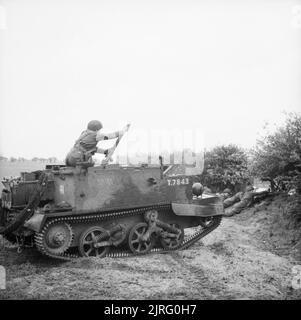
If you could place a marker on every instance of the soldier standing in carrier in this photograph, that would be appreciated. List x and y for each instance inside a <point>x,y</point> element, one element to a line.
<point>86,145</point>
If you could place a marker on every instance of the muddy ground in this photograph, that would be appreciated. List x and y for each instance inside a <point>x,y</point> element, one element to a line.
<point>239,260</point>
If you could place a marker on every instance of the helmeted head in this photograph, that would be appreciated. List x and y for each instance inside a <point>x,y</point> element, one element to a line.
<point>197,189</point>
<point>94,125</point>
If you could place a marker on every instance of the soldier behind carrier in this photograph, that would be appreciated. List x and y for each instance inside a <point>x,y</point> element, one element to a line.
<point>86,145</point>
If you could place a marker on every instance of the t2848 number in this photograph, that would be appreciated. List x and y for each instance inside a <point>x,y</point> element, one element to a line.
<point>177,182</point>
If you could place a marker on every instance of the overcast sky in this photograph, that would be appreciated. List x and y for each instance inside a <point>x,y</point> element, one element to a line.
<point>222,67</point>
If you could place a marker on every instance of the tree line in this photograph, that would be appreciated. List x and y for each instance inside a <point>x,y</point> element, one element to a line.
<point>34,159</point>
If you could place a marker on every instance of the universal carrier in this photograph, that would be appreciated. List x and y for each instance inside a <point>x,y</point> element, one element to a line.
<point>107,210</point>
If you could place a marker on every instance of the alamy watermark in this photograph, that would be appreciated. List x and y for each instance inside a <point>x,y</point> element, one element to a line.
<point>176,147</point>
<point>2,278</point>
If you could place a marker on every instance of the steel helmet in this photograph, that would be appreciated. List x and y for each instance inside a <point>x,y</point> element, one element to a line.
<point>94,125</point>
<point>197,189</point>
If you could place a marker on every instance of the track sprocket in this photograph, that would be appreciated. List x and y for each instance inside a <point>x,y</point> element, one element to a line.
<point>55,238</point>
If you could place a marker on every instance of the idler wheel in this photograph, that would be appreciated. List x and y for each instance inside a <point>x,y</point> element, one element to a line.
<point>89,240</point>
<point>172,241</point>
<point>138,242</point>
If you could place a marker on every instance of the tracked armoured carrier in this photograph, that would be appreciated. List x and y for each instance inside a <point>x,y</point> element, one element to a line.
<point>108,210</point>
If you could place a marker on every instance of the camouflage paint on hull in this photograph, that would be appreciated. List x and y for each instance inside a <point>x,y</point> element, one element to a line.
<point>118,187</point>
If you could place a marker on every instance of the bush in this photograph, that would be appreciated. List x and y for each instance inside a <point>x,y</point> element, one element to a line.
<point>277,157</point>
<point>226,167</point>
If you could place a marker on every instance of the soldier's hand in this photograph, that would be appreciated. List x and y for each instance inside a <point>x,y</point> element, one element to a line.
<point>126,128</point>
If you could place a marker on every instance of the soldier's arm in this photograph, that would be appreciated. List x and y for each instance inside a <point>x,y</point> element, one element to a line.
<point>107,136</point>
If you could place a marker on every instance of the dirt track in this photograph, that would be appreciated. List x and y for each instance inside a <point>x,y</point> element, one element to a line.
<point>230,263</point>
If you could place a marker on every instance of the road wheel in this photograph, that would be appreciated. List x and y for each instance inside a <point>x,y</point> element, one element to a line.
<point>88,241</point>
<point>137,242</point>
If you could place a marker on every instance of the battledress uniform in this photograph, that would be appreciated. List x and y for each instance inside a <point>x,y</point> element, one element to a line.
<point>86,145</point>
